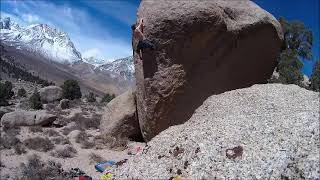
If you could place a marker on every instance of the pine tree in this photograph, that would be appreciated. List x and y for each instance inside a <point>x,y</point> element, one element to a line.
<point>35,101</point>
<point>296,46</point>
<point>71,90</point>
<point>315,77</point>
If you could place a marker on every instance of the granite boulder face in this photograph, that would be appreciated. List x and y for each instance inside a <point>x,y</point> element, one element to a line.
<point>28,118</point>
<point>120,117</point>
<point>266,131</point>
<point>201,48</point>
<point>50,93</point>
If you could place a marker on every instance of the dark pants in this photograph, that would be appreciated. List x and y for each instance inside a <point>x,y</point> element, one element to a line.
<point>144,44</point>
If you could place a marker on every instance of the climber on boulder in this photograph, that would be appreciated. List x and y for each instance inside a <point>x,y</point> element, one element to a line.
<point>143,43</point>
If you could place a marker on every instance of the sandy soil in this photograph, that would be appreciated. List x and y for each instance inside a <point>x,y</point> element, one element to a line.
<point>12,161</point>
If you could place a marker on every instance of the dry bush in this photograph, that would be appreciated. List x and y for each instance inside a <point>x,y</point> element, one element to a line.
<point>87,144</point>
<point>52,132</point>
<point>60,140</point>
<point>35,129</point>
<point>82,136</point>
<point>35,169</point>
<point>114,143</point>
<point>8,129</point>
<point>83,139</point>
<point>39,144</point>
<point>95,158</point>
<point>67,152</point>
<point>9,141</point>
<point>19,149</point>
<point>2,164</point>
<point>66,130</point>
<point>86,122</point>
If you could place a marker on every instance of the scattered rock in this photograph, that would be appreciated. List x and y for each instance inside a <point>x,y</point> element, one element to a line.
<point>120,118</point>
<point>266,131</point>
<point>28,118</point>
<point>64,104</point>
<point>50,93</point>
<point>202,48</point>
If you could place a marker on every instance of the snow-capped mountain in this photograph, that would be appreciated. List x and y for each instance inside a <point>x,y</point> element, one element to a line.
<point>123,67</point>
<point>40,38</point>
<point>96,62</point>
<point>50,54</point>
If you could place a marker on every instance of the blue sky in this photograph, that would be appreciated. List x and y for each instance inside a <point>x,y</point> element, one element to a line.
<point>101,28</point>
<point>306,11</point>
<point>98,28</point>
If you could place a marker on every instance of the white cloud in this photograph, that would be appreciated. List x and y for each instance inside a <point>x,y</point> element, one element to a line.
<point>13,17</point>
<point>94,52</point>
<point>30,18</point>
<point>107,49</point>
<point>89,36</point>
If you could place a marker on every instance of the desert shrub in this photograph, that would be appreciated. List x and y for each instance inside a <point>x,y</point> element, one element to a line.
<point>9,141</point>
<point>66,152</point>
<point>71,90</point>
<point>52,132</point>
<point>115,143</point>
<point>64,104</point>
<point>35,101</point>
<point>35,129</point>
<point>2,164</point>
<point>39,144</point>
<point>83,139</point>
<point>19,149</point>
<point>82,136</point>
<point>5,93</point>
<point>22,92</point>
<point>87,122</point>
<point>91,97</point>
<point>61,140</point>
<point>87,144</point>
<point>95,158</point>
<point>35,169</point>
<point>107,98</point>
<point>67,130</point>
<point>11,130</point>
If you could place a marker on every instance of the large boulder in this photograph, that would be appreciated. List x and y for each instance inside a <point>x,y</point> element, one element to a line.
<point>201,48</point>
<point>28,118</point>
<point>263,132</point>
<point>120,117</point>
<point>50,93</point>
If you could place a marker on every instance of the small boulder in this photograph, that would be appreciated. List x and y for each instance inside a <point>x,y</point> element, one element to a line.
<point>27,118</point>
<point>64,104</point>
<point>50,93</point>
<point>120,118</point>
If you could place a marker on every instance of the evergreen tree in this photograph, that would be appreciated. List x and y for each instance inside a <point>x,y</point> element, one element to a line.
<point>71,90</point>
<point>5,93</point>
<point>315,77</point>
<point>35,101</point>
<point>297,45</point>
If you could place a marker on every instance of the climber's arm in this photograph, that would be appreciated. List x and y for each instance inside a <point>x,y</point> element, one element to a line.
<point>140,26</point>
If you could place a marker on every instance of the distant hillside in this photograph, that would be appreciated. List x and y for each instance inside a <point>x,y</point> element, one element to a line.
<point>48,53</point>
<point>9,69</point>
